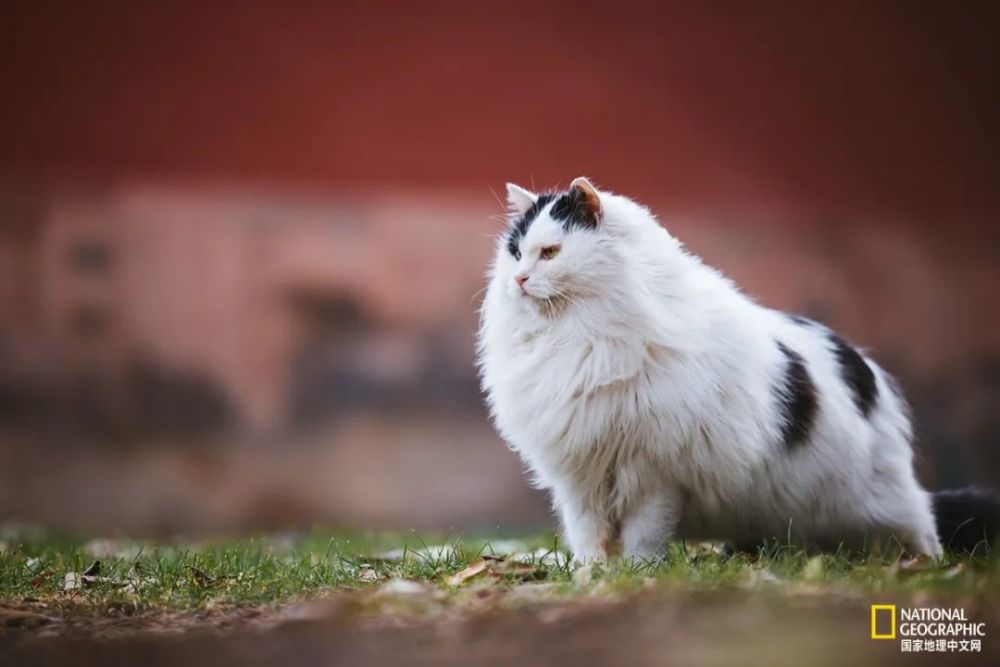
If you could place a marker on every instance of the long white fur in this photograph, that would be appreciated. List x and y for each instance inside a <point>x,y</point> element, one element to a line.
<point>638,385</point>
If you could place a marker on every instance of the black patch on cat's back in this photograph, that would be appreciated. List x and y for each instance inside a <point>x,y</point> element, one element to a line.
<point>520,226</point>
<point>801,320</point>
<point>856,373</point>
<point>796,399</point>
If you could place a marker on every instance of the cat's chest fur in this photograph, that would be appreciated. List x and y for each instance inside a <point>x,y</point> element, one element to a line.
<point>615,409</point>
<point>545,374</point>
<point>575,397</point>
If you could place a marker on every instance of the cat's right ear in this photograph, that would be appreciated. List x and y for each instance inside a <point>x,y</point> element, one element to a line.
<point>519,200</point>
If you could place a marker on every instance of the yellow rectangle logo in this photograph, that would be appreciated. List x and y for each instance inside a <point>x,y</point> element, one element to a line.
<point>891,608</point>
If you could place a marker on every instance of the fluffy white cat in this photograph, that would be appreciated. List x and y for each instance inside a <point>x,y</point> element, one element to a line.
<point>654,400</point>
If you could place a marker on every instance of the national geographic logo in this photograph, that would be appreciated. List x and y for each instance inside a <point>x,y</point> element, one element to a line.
<point>888,614</point>
<point>927,629</point>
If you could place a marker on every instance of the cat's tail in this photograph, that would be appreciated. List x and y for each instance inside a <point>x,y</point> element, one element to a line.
<point>967,518</point>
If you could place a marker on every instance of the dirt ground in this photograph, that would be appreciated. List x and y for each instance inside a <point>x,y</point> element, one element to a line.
<point>410,623</point>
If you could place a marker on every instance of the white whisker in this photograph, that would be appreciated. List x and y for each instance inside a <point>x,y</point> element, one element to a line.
<point>478,292</point>
<point>493,192</point>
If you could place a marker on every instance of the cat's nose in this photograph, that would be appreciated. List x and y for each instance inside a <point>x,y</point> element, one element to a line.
<point>521,278</point>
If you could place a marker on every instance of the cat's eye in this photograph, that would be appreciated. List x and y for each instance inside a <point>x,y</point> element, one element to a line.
<point>549,251</point>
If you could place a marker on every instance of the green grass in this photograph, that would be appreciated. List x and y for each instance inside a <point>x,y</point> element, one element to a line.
<point>257,571</point>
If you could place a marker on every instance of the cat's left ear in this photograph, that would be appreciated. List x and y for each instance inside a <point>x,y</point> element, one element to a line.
<point>587,198</point>
<point>519,200</point>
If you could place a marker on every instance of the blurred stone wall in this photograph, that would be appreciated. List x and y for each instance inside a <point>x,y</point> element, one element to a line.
<point>241,243</point>
<point>215,331</point>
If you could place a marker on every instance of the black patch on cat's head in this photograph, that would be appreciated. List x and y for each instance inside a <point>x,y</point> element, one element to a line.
<point>796,398</point>
<point>572,209</point>
<point>856,373</point>
<point>519,227</point>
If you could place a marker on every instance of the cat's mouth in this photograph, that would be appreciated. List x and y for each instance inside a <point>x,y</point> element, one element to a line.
<point>551,304</point>
<point>529,293</point>
<point>545,300</point>
<point>537,292</point>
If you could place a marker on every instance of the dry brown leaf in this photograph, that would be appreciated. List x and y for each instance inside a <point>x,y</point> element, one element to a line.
<point>496,568</point>
<point>921,563</point>
<point>474,569</point>
<point>39,579</point>
<point>202,579</point>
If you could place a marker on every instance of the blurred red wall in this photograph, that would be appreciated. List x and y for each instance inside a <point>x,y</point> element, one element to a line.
<point>274,217</point>
<point>804,106</point>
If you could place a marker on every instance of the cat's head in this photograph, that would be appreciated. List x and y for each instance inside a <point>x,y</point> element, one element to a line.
<point>556,247</point>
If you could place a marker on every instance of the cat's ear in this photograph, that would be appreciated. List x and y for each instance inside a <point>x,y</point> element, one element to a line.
<point>519,200</point>
<point>584,192</point>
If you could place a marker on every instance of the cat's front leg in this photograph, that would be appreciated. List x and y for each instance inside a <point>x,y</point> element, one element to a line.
<point>590,536</point>
<point>650,524</point>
